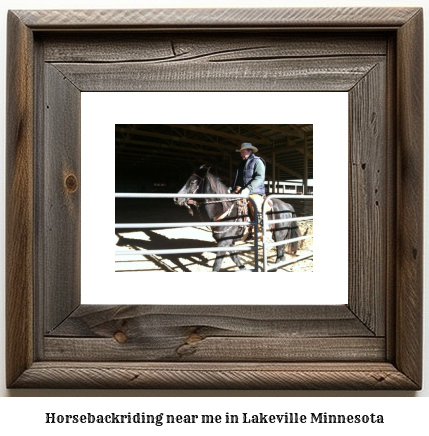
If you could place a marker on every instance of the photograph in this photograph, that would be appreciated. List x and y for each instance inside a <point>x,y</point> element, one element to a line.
<point>160,226</point>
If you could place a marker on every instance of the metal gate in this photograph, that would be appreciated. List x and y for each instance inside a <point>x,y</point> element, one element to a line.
<point>189,224</point>
<point>265,225</point>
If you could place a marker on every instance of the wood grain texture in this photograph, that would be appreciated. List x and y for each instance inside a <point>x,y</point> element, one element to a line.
<point>19,200</point>
<point>186,347</point>
<point>99,321</point>
<point>110,375</point>
<point>224,47</point>
<point>409,254</point>
<point>391,193</point>
<point>368,203</point>
<point>61,193</point>
<point>301,74</point>
<point>193,348</point>
<point>289,18</point>
<point>214,333</point>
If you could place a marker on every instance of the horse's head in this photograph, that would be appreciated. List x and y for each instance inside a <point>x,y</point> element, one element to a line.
<point>194,185</point>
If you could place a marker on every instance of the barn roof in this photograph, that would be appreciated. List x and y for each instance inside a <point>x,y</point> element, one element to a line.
<point>177,149</point>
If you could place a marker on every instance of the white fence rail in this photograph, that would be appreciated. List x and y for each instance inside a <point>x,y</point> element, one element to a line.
<point>254,247</point>
<point>189,224</point>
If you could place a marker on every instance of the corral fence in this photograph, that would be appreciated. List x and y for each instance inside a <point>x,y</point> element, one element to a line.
<point>266,224</point>
<point>266,244</point>
<point>190,224</point>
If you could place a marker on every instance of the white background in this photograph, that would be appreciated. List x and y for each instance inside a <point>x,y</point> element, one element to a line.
<point>405,414</point>
<point>100,112</point>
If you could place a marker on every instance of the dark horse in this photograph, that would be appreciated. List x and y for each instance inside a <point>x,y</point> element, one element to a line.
<point>202,182</point>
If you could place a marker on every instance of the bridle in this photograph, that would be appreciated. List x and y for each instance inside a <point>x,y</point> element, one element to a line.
<point>202,181</point>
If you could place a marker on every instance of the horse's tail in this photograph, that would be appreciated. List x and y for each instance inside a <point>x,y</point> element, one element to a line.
<point>293,232</point>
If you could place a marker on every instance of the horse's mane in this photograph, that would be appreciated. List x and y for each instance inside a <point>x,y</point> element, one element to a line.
<point>219,188</point>
<point>216,184</point>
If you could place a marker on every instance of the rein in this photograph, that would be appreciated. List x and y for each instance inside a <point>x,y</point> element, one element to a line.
<point>241,206</point>
<point>225,214</point>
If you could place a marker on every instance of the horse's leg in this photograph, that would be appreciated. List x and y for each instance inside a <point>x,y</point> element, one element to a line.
<point>280,253</point>
<point>234,257</point>
<point>218,262</point>
<point>220,256</point>
<point>284,235</point>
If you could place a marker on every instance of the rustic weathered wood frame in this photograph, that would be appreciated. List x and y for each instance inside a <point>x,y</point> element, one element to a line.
<point>374,342</point>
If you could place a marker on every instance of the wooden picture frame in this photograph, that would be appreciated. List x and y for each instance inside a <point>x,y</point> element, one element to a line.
<point>373,342</point>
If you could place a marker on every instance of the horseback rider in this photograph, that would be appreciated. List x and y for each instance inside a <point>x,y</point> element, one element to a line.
<point>250,176</point>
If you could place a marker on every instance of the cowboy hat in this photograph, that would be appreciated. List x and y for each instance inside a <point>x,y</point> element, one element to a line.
<point>247,146</point>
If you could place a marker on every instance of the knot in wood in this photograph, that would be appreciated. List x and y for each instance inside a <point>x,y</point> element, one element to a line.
<point>120,337</point>
<point>71,183</point>
<point>193,338</point>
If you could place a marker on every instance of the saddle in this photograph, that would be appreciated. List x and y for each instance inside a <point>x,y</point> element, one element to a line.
<point>268,208</point>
